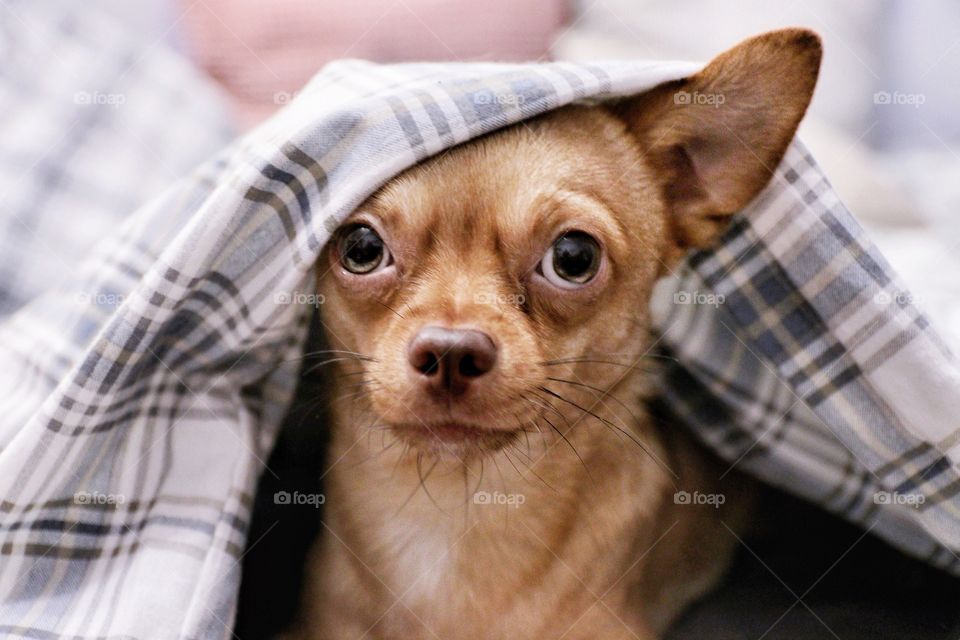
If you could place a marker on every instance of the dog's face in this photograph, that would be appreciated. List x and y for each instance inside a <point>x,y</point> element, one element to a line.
<point>476,281</point>
<point>465,277</point>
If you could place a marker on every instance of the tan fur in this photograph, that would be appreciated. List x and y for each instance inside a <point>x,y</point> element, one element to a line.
<point>598,548</point>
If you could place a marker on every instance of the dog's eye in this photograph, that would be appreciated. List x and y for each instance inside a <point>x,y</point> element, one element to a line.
<point>572,260</point>
<point>362,250</point>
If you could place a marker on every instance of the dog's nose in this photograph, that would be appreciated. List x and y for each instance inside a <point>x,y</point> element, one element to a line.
<point>448,360</point>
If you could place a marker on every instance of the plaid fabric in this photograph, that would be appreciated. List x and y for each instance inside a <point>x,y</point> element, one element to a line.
<point>139,397</point>
<point>88,139</point>
<point>801,358</point>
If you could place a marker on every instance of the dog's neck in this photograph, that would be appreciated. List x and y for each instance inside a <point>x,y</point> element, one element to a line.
<point>572,529</point>
<point>514,509</point>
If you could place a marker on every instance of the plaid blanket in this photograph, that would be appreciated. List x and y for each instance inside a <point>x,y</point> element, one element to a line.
<point>140,395</point>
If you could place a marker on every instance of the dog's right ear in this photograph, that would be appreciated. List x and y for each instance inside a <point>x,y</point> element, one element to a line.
<point>715,138</point>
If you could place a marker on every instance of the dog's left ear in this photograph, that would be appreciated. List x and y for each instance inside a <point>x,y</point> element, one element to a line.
<point>715,138</point>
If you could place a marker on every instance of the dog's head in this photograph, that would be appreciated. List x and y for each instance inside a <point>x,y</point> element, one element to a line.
<point>474,282</point>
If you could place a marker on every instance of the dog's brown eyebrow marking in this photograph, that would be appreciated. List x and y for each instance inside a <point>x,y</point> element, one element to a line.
<point>596,197</point>
<point>387,215</point>
<point>576,199</point>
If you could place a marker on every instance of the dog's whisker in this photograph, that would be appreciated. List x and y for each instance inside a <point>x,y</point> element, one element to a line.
<point>327,351</point>
<point>546,404</point>
<point>466,496</point>
<point>370,384</point>
<point>598,358</point>
<point>556,363</point>
<point>603,392</point>
<point>595,415</point>
<point>480,478</point>
<point>345,353</point>
<point>326,362</point>
<point>379,453</point>
<point>572,448</point>
<point>400,458</point>
<point>521,474</point>
<point>526,432</point>
<point>611,425</point>
<point>503,482</point>
<point>352,396</point>
<point>420,485</point>
<point>423,480</point>
<point>403,505</point>
<point>385,305</point>
<point>529,466</point>
<point>385,447</point>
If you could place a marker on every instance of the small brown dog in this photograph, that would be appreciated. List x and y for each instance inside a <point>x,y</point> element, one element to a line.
<point>497,474</point>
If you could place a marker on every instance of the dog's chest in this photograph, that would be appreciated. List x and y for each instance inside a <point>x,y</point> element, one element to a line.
<point>422,560</point>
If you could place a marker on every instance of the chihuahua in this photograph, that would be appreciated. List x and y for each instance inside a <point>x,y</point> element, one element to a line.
<point>496,469</point>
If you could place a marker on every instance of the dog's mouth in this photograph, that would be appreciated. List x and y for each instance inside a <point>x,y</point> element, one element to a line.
<point>454,438</point>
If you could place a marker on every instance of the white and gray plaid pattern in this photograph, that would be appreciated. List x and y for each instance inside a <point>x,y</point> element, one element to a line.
<point>133,429</point>
<point>815,371</point>
<point>86,113</point>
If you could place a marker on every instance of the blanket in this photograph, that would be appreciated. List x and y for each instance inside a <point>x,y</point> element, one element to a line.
<point>141,394</point>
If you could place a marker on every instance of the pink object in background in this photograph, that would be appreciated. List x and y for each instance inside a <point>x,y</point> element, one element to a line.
<point>261,52</point>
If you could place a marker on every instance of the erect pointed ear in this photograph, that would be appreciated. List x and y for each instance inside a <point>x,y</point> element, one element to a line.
<point>715,138</point>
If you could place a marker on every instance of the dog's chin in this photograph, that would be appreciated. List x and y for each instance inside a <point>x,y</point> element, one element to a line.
<point>454,439</point>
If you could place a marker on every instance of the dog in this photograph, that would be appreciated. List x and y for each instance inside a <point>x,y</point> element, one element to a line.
<point>496,471</point>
